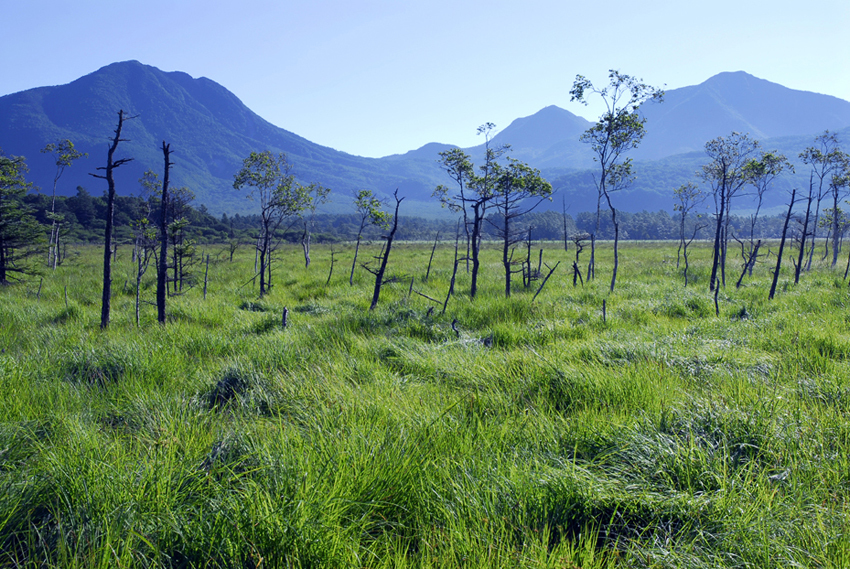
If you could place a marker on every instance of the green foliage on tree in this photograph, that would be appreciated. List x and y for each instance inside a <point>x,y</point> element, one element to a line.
<point>282,199</point>
<point>474,194</point>
<point>726,174</point>
<point>370,213</point>
<point>618,130</point>
<point>827,162</point>
<point>64,153</point>
<point>20,233</point>
<point>515,184</point>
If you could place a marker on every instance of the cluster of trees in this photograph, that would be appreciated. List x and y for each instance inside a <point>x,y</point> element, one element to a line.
<point>739,167</point>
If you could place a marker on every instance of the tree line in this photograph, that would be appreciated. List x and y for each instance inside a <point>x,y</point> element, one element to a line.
<point>494,200</point>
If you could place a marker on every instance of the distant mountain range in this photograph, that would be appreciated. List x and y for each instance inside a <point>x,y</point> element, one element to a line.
<point>211,131</point>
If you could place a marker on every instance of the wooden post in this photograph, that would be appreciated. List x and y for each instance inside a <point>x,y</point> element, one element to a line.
<point>206,272</point>
<point>284,318</point>
<point>434,248</point>
<point>604,312</point>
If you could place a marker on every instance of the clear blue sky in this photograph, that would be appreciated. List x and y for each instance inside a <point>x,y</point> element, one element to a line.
<point>379,77</point>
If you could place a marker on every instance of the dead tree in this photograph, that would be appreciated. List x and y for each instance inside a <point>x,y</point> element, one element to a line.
<point>431,258</point>
<point>331,270</point>
<point>697,228</point>
<point>454,269</point>
<point>111,165</point>
<point>385,256</point>
<point>564,214</point>
<point>162,265</point>
<point>782,246</point>
<point>580,242</point>
<point>546,278</point>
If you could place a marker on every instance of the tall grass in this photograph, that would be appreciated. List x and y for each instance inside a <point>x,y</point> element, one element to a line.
<point>502,433</point>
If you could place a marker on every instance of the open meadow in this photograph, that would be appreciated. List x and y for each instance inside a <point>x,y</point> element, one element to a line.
<point>501,433</point>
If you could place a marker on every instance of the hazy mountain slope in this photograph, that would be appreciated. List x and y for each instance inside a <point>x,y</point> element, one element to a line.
<point>691,116</point>
<point>211,131</point>
<point>209,128</point>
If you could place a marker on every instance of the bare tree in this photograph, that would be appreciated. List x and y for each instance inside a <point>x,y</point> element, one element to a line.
<point>162,262</point>
<point>385,256</point>
<point>804,231</point>
<point>111,165</point>
<point>781,246</point>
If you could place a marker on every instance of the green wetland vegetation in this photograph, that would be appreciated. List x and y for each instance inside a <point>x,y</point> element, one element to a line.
<point>538,434</point>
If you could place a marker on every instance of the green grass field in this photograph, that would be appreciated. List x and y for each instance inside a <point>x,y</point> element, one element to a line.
<point>539,436</point>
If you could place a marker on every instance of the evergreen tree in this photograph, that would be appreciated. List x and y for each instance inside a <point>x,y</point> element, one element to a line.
<point>20,233</point>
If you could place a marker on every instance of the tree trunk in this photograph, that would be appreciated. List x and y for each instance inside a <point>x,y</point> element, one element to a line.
<point>715,262</point>
<point>162,268</point>
<point>506,262</point>
<point>803,237</point>
<point>781,247</point>
<point>476,248</point>
<point>111,164</point>
<point>305,245</point>
<point>379,277</point>
<point>431,258</point>
<point>354,262</point>
<point>835,223</point>
<point>616,241</point>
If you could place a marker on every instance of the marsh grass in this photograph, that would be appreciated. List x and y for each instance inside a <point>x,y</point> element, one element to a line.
<point>536,435</point>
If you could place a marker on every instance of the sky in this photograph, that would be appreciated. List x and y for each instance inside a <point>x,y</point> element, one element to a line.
<point>381,77</point>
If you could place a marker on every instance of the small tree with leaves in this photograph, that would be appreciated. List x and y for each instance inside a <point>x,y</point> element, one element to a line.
<point>516,184</point>
<point>370,213</point>
<point>726,174</point>
<point>144,232</point>
<point>64,154</point>
<point>825,159</point>
<point>687,197</point>
<point>182,248</point>
<point>316,196</point>
<point>475,192</point>
<point>281,199</point>
<point>618,130</point>
<point>760,173</point>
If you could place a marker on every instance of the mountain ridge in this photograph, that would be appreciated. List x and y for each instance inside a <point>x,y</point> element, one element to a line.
<point>211,131</point>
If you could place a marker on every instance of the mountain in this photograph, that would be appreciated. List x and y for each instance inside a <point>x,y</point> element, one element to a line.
<point>211,131</point>
<point>727,102</point>
<point>209,128</point>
